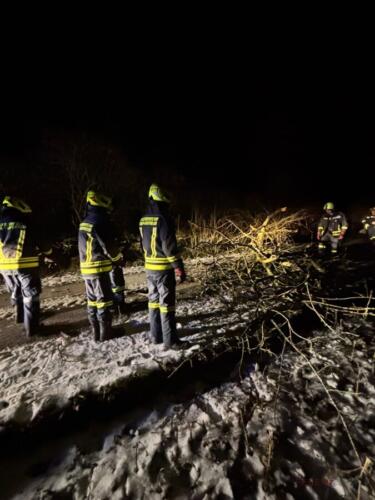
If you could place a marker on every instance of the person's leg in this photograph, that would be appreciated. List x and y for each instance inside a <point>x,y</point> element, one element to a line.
<point>334,245</point>
<point>167,293</point>
<point>104,303</point>
<point>155,334</point>
<point>118,289</point>
<point>16,299</point>
<point>91,308</point>
<point>31,289</point>
<point>323,243</point>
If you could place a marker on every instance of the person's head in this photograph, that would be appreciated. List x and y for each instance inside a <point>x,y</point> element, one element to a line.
<point>95,199</point>
<point>12,203</point>
<point>156,194</point>
<point>329,207</point>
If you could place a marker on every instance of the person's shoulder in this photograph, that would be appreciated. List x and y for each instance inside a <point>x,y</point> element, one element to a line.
<point>12,219</point>
<point>167,219</point>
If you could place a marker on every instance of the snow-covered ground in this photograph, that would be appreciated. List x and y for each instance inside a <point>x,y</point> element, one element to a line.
<point>302,426</point>
<point>269,434</point>
<point>47,375</point>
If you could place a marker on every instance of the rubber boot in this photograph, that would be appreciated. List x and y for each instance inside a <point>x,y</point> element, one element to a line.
<point>19,311</point>
<point>95,329</point>
<point>31,315</point>
<point>105,327</point>
<point>120,308</point>
<point>124,309</point>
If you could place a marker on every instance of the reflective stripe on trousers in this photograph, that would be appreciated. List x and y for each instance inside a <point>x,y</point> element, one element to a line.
<point>99,297</point>
<point>330,241</point>
<point>162,301</point>
<point>25,288</point>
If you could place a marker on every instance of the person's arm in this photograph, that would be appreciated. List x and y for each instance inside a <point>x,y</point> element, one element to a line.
<point>344,226</point>
<point>322,224</point>
<point>169,244</point>
<point>106,239</point>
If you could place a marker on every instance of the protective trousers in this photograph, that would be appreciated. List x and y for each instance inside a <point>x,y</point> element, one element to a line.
<point>161,304</point>
<point>99,301</point>
<point>25,288</point>
<point>328,240</point>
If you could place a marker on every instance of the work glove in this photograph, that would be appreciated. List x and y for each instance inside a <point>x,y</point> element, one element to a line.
<point>55,258</point>
<point>180,275</point>
<point>318,236</point>
<point>341,237</point>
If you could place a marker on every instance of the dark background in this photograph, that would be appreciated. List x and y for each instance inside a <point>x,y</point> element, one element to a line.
<point>219,125</point>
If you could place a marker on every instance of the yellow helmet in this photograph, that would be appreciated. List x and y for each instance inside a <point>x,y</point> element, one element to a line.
<point>21,206</point>
<point>99,200</point>
<point>156,194</point>
<point>329,206</point>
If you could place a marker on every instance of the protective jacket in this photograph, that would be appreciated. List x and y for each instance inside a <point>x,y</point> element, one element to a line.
<point>96,243</point>
<point>158,239</point>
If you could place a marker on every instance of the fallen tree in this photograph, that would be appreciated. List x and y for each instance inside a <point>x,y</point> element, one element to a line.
<point>256,263</point>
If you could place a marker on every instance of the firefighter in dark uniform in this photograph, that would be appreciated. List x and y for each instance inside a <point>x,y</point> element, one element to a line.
<point>331,228</point>
<point>369,225</point>
<point>163,265</point>
<point>19,262</point>
<point>98,253</point>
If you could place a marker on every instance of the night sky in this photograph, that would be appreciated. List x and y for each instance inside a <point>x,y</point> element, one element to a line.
<point>280,130</point>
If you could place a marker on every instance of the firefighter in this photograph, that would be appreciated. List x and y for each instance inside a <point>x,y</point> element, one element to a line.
<point>331,228</point>
<point>163,265</point>
<point>369,225</point>
<point>98,254</point>
<point>19,262</point>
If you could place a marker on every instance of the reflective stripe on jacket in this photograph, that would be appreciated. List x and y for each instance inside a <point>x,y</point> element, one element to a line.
<point>17,250</point>
<point>333,224</point>
<point>158,239</point>
<point>96,243</point>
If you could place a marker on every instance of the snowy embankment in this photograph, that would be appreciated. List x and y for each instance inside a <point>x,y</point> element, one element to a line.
<point>266,434</point>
